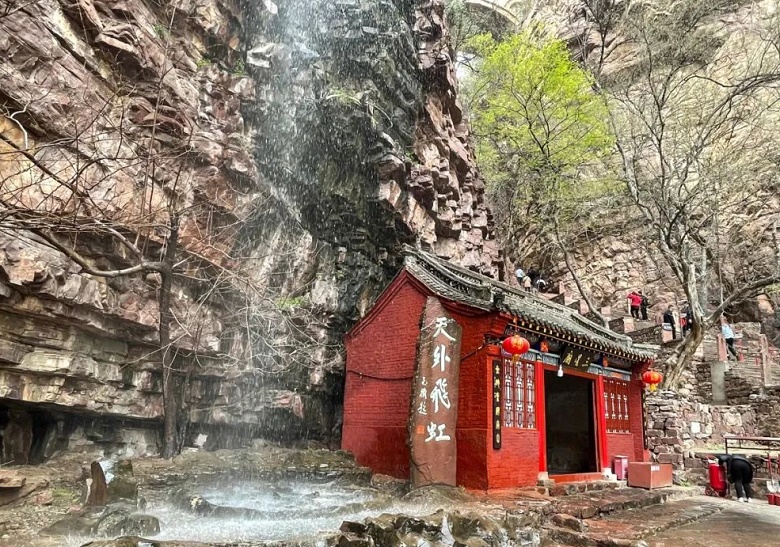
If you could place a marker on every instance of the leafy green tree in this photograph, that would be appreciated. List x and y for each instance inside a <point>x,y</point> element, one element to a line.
<point>540,129</point>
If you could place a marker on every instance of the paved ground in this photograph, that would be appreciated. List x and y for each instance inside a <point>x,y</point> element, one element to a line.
<point>737,525</point>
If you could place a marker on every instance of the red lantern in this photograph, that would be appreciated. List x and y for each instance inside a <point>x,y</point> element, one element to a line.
<point>652,378</point>
<point>515,346</point>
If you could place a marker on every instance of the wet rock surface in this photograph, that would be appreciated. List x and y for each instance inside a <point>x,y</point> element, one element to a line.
<point>253,497</point>
<point>319,138</point>
<point>274,496</point>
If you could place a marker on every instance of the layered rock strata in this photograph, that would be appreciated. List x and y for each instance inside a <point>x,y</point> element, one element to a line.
<point>301,143</point>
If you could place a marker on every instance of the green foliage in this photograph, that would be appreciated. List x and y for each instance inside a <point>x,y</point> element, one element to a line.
<point>239,68</point>
<point>203,61</point>
<point>161,31</point>
<point>290,303</point>
<point>538,121</point>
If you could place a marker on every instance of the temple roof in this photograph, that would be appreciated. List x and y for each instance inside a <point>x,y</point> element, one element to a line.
<point>458,284</point>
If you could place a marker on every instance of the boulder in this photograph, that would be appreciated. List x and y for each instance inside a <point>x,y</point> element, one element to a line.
<point>71,525</point>
<point>11,479</point>
<point>98,488</point>
<point>123,485</point>
<point>119,523</point>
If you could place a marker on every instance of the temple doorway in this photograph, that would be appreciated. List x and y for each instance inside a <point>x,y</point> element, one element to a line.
<point>570,424</point>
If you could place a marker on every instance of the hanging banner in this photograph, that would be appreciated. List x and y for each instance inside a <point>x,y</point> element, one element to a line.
<point>434,402</point>
<point>497,378</point>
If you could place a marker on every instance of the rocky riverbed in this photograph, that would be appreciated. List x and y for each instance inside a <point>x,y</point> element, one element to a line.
<point>266,495</point>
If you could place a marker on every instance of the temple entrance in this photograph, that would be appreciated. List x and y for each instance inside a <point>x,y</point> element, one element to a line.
<point>571,424</point>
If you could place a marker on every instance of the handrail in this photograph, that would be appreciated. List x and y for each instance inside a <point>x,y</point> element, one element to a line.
<point>740,441</point>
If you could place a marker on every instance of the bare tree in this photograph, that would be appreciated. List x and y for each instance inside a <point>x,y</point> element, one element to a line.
<point>107,185</point>
<point>695,117</point>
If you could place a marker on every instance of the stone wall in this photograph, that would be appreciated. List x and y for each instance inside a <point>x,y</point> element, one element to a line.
<point>678,428</point>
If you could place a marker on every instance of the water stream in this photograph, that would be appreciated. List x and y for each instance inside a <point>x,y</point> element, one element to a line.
<point>298,511</point>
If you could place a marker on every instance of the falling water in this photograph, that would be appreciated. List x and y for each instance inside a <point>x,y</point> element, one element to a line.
<point>337,88</point>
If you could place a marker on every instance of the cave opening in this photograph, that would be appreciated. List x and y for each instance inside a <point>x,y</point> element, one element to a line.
<point>28,435</point>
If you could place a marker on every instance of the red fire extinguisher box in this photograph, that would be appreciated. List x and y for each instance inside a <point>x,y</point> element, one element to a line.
<point>649,475</point>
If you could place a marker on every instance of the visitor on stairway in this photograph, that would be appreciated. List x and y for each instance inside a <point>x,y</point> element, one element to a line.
<point>728,336</point>
<point>669,320</point>
<point>739,470</point>
<point>643,304</point>
<point>541,284</point>
<point>686,319</point>
<point>635,301</point>
<point>527,283</point>
<point>519,275</point>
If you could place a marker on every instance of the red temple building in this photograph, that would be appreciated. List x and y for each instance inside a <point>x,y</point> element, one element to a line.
<point>426,371</point>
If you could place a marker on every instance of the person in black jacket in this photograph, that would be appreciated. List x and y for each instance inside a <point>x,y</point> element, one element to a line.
<point>669,320</point>
<point>643,305</point>
<point>739,471</point>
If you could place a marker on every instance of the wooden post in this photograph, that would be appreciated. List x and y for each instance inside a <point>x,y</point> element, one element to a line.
<point>541,416</point>
<point>601,424</point>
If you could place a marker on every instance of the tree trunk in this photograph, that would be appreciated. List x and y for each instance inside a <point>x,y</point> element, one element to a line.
<point>170,402</point>
<point>573,271</point>
<point>675,365</point>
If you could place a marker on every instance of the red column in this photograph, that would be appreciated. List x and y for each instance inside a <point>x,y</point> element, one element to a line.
<point>601,424</point>
<point>541,416</point>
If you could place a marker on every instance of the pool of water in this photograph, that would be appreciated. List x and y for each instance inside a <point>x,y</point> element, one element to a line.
<point>290,511</point>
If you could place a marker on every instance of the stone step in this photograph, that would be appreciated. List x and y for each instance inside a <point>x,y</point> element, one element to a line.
<point>590,505</point>
<point>625,527</point>
<point>572,488</point>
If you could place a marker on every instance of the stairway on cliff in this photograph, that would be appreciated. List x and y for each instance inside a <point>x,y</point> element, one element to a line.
<point>757,364</point>
<point>641,332</point>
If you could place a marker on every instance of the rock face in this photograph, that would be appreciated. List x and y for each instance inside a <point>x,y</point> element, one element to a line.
<point>300,144</point>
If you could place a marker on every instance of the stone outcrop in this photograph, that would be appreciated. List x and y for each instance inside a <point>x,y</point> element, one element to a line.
<point>301,144</point>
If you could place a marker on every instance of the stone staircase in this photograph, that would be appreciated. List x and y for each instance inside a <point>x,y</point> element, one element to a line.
<point>621,516</point>
<point>643,332</point>
<point>759,362</point>
<point>628,527</point>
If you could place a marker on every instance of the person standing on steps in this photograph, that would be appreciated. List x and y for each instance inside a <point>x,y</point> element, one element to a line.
<point>728,336</point>
<point>519,275</point>
<point>541,284</point>
<point>643,304</point>
<point>669,320</point>
<point>527,283</point>
<point>739,471</point>
<point>686,319</point>
<point>635,301</point>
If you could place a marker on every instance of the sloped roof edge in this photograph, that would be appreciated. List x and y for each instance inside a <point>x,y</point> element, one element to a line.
<point>465,286</point>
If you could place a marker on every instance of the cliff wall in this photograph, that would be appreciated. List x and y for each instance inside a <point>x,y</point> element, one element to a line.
<point>300,143</point>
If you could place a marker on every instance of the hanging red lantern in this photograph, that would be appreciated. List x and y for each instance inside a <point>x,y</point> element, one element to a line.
<point>652,378</point>
<point>515,346</point>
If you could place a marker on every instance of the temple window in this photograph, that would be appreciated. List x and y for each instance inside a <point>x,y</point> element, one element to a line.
<point>519,394</point>
<point>616,406</point>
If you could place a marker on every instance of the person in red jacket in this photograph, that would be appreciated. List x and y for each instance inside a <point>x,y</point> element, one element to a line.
<point>635,299</point>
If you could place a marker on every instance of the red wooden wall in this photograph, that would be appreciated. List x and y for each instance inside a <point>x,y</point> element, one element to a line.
<point>381,353</point>
<point>630,444</point>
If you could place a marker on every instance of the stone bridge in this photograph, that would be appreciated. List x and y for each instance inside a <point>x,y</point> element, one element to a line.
<point>505,8</point>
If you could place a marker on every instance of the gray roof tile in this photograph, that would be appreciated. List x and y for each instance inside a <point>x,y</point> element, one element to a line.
<point>461,285</point>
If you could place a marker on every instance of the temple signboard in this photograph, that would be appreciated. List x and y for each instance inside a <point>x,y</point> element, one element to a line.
<point>434,401</point>
<point>576,357</point>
